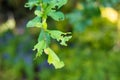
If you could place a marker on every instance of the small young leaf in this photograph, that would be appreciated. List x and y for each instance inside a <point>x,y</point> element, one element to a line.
<point>40,46</point>
<point>34,22</point>
<point>58,16</point>
<point>60,36</point>
<point>53,58</point>
<point>32,3</point>
<point>38,13</point>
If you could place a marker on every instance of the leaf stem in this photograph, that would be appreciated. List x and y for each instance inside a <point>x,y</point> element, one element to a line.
<point>44,18</point>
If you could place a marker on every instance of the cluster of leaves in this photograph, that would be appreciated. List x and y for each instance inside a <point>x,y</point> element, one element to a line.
<point>45,8</point>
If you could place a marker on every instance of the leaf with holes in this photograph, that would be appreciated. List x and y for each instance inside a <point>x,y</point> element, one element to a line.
<point>53,58</point>
<point>40,46</point>
<point>60,36</point>
<point>32,3</point>
<point>53,4</point>
<point>58,3</point>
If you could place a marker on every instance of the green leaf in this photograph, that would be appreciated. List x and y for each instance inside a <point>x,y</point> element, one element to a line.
<point>32,3</point>
<point>58,16</point>
<point>38,13</point>
<point>60,36</point>
<point>44,36</point>
<point>34,22</point>
<point>40,46</point>
<point>61,3</point>
<point>43,42</point>
<point>53,4</point>
<point>58,3</point>
<point>53,58</point>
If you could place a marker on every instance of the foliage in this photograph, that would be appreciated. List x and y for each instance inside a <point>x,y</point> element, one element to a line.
<point>93,53</point>
<point>44,9</point>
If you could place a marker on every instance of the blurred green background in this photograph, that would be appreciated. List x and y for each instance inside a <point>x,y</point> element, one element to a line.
<point>93,53</point>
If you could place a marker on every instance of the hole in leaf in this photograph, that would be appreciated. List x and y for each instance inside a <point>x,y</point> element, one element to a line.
<point>60,19</point>
<point>68,34</point>
<point>60,41</point>
<point>55,8</point>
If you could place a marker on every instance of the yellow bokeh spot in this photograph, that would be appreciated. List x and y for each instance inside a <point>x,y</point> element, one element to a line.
<point>9,24</point>
<point>109,13</point>
<point>79,6</point>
